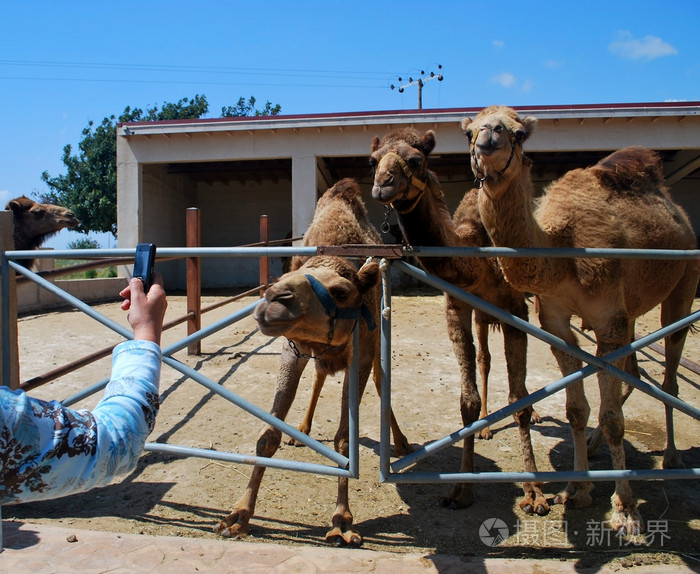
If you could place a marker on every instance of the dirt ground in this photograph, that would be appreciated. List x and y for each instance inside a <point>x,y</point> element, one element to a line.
<point>169,495</point>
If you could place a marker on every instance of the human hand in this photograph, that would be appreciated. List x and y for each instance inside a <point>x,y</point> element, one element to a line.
<point>146,310</point>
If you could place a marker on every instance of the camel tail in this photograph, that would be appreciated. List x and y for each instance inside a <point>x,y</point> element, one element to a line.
<point>631,170</point>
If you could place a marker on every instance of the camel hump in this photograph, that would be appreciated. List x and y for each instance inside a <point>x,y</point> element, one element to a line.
<point>345,189</point>
<point>631,170</point>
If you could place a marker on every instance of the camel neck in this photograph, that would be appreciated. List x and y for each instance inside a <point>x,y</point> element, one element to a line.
<point>426,223</point>
<point>430,225</point>
<point>510,221</point>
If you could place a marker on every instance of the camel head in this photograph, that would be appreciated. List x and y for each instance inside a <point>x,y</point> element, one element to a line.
<point>400,164</point>
<point>495,137</point>
<point>35,222</point>
<point>318,304</point>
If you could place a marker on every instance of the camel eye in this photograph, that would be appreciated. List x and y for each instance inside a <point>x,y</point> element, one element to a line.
<point>373,164</point>
<point>498,128</point>
<point>415,161</point>
<point>468,134</point>
<point>340,294</point>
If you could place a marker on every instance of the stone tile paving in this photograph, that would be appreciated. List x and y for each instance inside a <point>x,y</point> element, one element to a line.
<point>43,549</point>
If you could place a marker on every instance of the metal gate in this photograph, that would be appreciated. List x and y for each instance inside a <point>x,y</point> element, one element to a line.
<point>396,471</point>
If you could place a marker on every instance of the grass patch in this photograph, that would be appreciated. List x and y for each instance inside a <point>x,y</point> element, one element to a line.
<point>110,271</point>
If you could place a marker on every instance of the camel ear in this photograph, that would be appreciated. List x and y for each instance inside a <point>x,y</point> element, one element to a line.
<point>427,142</point>
<point>367,276</point>
<point>529,124</point>
<point>465,123</point>
<point>375,144</point>
<point>15,206</point>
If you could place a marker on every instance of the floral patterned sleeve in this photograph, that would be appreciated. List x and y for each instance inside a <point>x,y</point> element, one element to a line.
<point>48,450</point>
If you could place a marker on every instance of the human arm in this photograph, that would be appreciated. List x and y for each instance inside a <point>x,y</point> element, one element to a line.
<point>48,450</point>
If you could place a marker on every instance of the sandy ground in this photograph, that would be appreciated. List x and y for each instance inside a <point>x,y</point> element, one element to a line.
<point>187,496</point>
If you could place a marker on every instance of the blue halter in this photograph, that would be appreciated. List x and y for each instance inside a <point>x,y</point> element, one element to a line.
<point>335,312</point>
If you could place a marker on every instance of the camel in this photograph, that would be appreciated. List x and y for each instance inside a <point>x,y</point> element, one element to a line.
<point>621,202</point>
<point>36,222</point>
<point>403,180</point>
<point>316,306</point>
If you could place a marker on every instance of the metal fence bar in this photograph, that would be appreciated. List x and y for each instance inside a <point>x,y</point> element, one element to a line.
<point>80,305</point>
<point>559,252</point>
<point>280,463</point>
<point>385,397</point>
<point>350,466</point>
<point>547,476</point>
<point>354,405</point>
<point>600,363</point>
<point>256,411</point>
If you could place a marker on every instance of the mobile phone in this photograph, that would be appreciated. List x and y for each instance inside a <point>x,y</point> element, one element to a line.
<point>143,264</point>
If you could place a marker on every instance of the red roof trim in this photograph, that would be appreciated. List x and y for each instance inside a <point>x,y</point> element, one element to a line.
<point>379,113</point>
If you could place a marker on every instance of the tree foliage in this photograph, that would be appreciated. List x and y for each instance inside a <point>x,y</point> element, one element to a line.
<point>243,108</point>
<point>89,186</point>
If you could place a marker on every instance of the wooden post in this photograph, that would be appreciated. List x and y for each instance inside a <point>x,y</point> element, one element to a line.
<point>264,261</point>
<point>194,280</point>
<point>10,370</point>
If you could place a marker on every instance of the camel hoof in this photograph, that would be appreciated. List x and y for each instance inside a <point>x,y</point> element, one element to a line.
<point>673,460</point>
<point>627,525</point>
<point>402,449</point>
<point>486,434</point>
<point>527,509</point>
<point>341,539</point>
<point>459,497</point>
<point>293,442</point>
<point>542,510</point>
<point>456,503</point>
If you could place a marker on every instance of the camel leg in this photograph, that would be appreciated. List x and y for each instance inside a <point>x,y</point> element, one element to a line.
<point>483,359</point>
<point>459,327</point>
<point>401,445</point>
<point>595,437</point>
<point>676,306</point>
<point>342,532</point>
<point>577,493</point>
<point>236,524</point>
<point>515,342</point>
<point>305,426</point>
<point>625,516</point>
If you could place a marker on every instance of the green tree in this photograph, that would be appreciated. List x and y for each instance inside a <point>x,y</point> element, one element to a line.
<point>243,108</point>
<point>89,186</point>
<point>84,243</point>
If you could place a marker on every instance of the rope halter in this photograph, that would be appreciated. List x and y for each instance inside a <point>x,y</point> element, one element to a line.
<point>334,313</point>
<point>480,176</point>
<point>416,184</point>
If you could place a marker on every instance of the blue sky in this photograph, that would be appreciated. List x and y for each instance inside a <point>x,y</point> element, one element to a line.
<point>65,63</point>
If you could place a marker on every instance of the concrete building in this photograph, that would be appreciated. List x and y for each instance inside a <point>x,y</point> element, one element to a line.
<point>237,169</point>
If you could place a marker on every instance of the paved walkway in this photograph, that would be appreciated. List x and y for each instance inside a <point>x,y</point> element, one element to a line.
<point>43,549</point>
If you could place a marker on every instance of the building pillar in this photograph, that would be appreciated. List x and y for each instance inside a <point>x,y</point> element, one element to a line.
<point>129,199</point>
<point>304,193</point>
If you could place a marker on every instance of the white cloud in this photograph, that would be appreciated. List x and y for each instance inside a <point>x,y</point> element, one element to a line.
<point>505,79</point>
<point>5,196</point>
<point>499,43</point>
<point>527,86</point>
<point>646,48</point>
